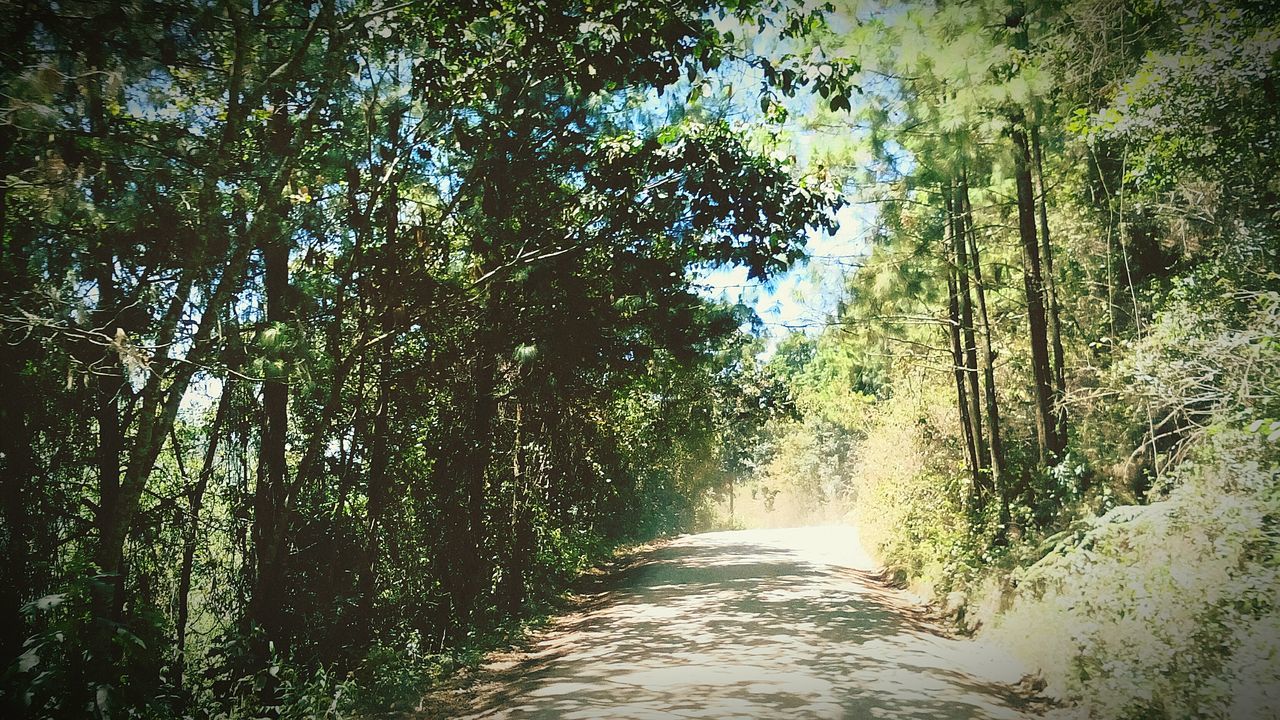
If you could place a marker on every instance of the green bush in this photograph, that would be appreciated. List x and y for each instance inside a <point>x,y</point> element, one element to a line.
<point>1164,610</point>
<point>1169,609</point>
<point>905,480</point>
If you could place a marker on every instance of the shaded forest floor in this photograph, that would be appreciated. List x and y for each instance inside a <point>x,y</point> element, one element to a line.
<point>751,624</point>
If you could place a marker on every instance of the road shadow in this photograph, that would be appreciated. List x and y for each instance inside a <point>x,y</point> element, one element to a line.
<point>710,628</point>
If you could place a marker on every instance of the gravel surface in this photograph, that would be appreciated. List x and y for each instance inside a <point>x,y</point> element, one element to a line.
<point>747,624</point>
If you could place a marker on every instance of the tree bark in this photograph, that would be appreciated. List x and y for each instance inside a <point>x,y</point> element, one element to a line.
<point>108,588</point>
<point>1051,290</point>
<point>970,345</point>
<point>957,356</point>
<point>108,386</point>
<point>1033,285</point>
<point>996,445</point>
<point>475,471</point>
<point>379,486</point>
<point>19,472</point>
<point>513,577</point>
<point>269,494</point>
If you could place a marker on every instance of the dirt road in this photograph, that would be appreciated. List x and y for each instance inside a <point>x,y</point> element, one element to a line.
<point>748,624</point>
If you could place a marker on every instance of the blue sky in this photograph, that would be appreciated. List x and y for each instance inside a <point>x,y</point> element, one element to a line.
<point>804,296</point>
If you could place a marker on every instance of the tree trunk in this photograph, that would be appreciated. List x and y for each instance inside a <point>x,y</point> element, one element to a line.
<point>970,345</point>
<point>18,473</point>
<point>484,409</point>
<point>957,360</point>
<point>513,575</point>
<point>468,567</point>
<point>108,387</point>
<point>1051,290</point>
<point>996,445</point>
<point>269,494</point>
<point>159,403</point>
<point>379,488</point>
<point>1033,285</point>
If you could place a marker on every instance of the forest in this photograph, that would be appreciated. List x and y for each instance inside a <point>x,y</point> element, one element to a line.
<point>340,336</point>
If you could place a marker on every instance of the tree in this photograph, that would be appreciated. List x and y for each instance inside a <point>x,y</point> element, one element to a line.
<point>410,257</point>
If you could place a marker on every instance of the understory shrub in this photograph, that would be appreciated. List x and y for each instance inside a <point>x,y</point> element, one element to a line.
<point>905,482</point>
<point>1166,609</point>
<point>1169,609</point>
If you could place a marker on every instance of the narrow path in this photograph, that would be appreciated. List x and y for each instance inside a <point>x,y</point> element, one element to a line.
<point>749,624</point>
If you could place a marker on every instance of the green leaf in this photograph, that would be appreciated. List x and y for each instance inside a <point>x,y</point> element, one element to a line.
<point>49,601</point>
<point>28,660</point>
<point>525,353</point>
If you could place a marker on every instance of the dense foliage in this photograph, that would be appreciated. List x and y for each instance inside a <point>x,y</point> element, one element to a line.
<point>338,334</point>
<point>1048,395</point>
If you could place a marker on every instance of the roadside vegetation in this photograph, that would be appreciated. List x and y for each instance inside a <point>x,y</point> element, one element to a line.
<point>339,336</point>
<point>1049,395</point>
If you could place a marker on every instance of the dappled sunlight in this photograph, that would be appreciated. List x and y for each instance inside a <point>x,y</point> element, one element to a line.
<point>752,624</point>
